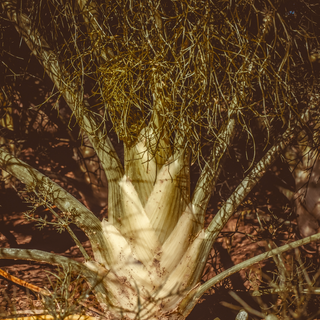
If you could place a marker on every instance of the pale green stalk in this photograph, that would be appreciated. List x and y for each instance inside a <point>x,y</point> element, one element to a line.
<point>100,141</point>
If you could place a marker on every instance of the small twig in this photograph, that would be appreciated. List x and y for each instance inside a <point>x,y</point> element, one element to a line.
<point>24,312</point>
<point>74,237</point>
<point>40,290</point>
<point>50,317</point>
<point>258,293</point>
<point>245,305</point>
<point>23,283</point>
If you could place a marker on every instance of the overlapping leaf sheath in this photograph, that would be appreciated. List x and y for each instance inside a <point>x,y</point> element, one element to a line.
<point>124,274</point>
<point>135,224</point>
<point>168,198</point>
<point>125,263</point>
<point>177,243</point>
<point>141,168</point>
<point>179,280</point>
<point>147,267</point>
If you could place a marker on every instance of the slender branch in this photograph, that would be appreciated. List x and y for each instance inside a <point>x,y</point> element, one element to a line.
<point>90,15</point>
<point>247,184</point>
<point>241,192</point>
<point>23,283</point>
<point>191,300</point>
<point>51,258</point>
<point>73,236</point>
<point>212,169</point>
<point>83,217</point>
<point>209,176</point>
<point>74,98</point>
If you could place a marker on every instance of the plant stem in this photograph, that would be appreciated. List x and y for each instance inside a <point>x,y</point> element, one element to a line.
<point>241,192</point>
<point>82,216</point>
<point>191,300</point>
